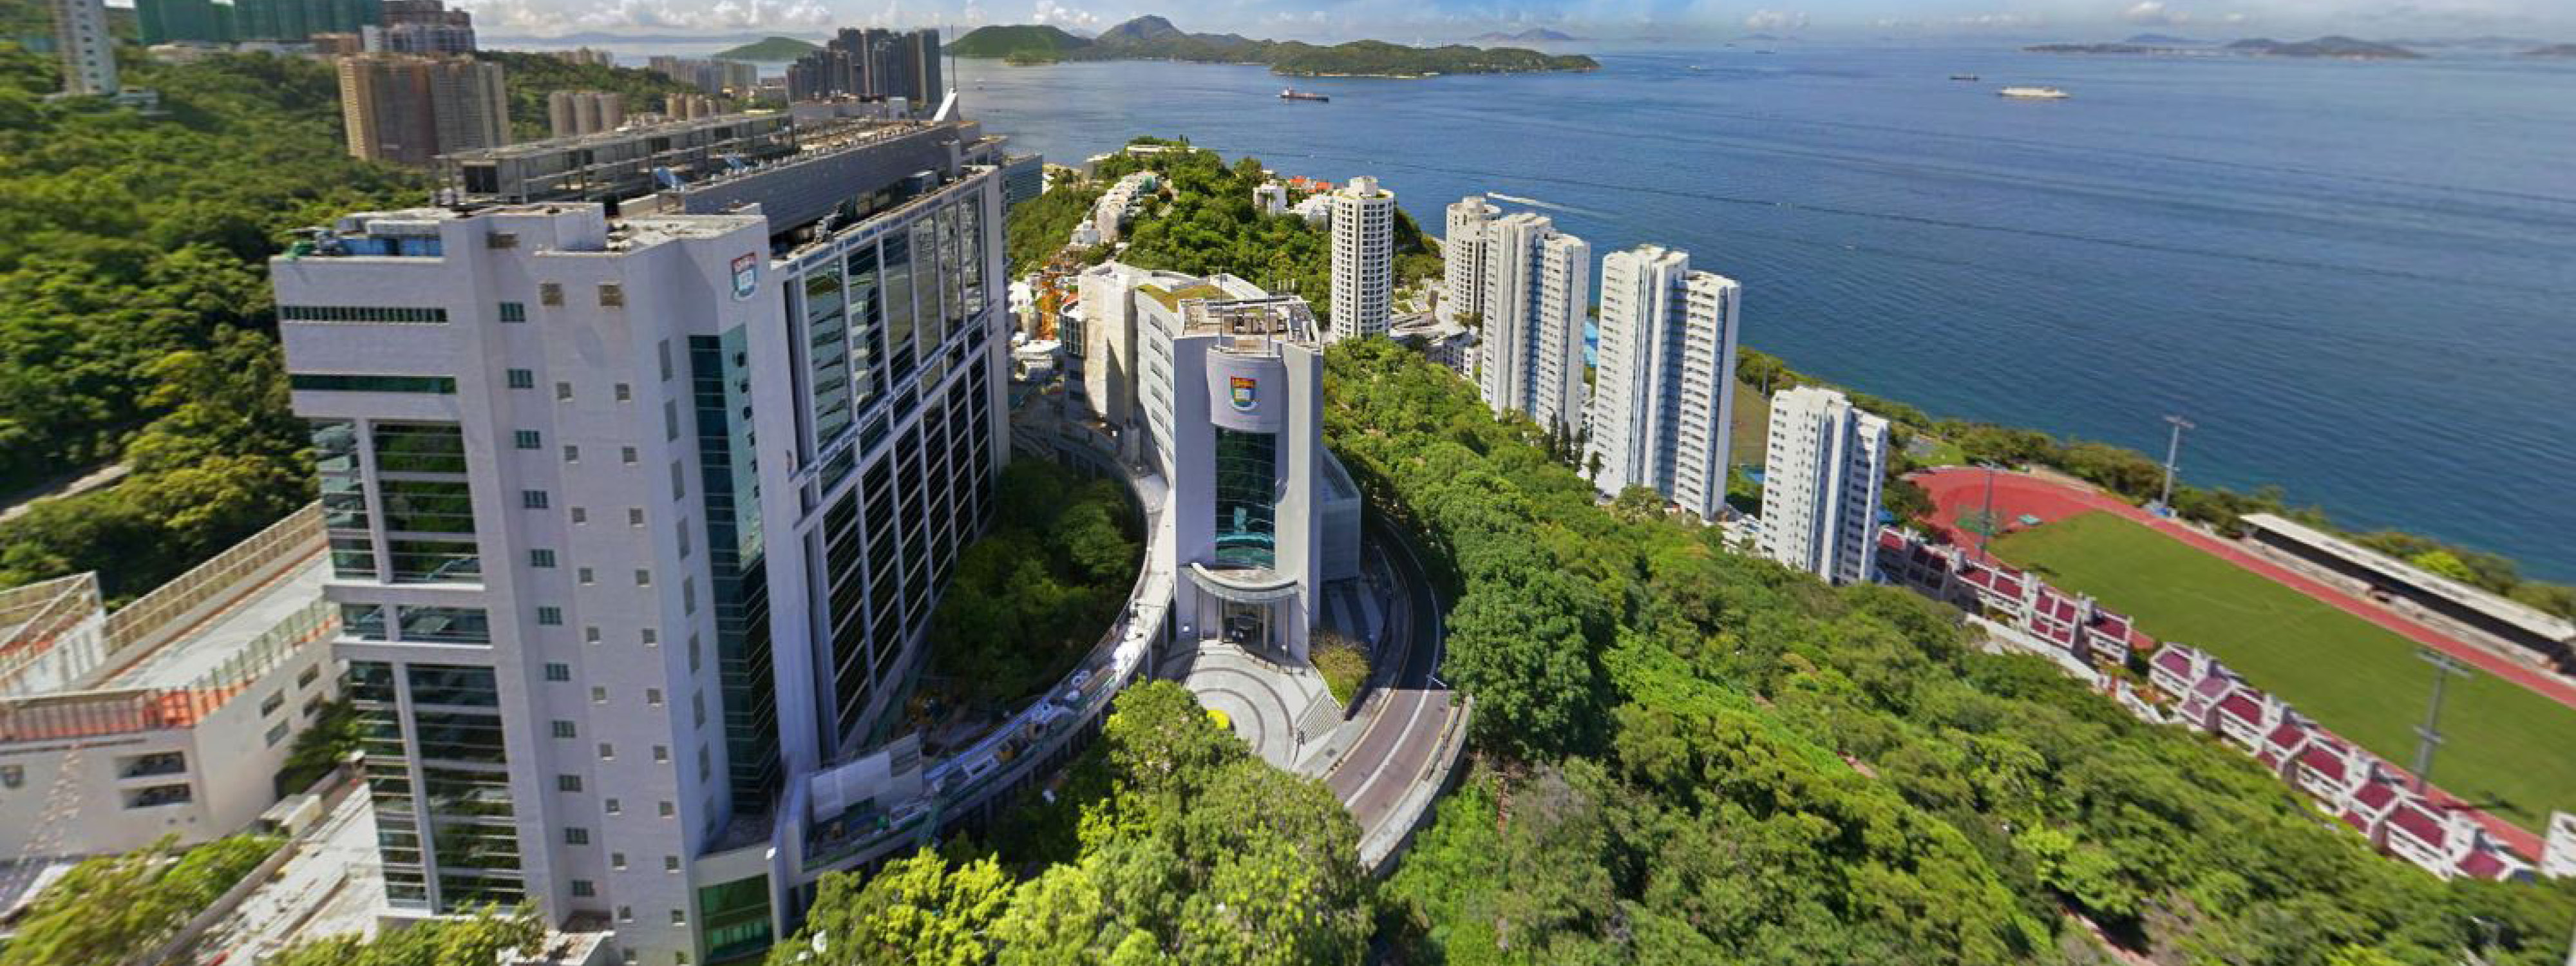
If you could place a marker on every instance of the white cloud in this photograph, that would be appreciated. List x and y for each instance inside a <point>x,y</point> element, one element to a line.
<point>1775,20</point>
<point>1051,12</point>
<point>2154,13</point>
<point>534,17</point>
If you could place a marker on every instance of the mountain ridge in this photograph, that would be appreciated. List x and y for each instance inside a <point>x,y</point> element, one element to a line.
<point>1152,37</point>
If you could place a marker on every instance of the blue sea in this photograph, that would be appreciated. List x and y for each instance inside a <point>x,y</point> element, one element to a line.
<point>2358,279</point>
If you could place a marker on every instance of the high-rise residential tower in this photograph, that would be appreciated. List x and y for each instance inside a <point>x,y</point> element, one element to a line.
<point>410,110</point>
<point>1363,258</point>
<point>1663,401</point>
<point>1462,255</point>
<point>575,113</point>
<point>1538,291</point>
<point>87,52</point>
<point>1820,484</point>
<point>638,524</point>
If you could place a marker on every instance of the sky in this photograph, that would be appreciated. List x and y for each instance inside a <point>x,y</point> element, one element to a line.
<point>1421,21</point>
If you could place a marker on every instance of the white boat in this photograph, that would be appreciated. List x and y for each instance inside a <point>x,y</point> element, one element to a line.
<point>2034,93</point>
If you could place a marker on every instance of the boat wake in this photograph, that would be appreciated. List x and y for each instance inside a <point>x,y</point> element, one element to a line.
<point>1535,203</point>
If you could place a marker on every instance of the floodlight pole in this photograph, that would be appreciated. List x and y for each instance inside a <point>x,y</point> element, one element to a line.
<point>1986,536</point>
<point>2429,736</point>
<point>2173,454</point>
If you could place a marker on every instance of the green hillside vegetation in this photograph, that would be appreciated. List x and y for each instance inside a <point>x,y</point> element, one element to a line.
<point>2507,747</point>
<point>771,50</point>
<point>1039,40</point>
<point>532,76</point>
<point>478,940</point>
<point>135,321</point>
<point>1690,756</point>
<point>1210,226</point>
<point>1032,596</point>
<point>1154,38</point>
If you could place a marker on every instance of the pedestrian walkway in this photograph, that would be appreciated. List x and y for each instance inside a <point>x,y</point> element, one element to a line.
<point>1268,703</point>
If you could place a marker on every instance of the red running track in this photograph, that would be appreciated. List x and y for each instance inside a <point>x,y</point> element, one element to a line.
<point>1960,491</point>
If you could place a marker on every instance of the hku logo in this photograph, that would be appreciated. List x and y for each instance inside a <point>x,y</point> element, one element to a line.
<point>1245,393</point>
<point>746,277</point>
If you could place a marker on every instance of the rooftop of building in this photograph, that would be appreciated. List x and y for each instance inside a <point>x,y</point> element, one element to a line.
<point>756,121</point>
<point>2501,608</point>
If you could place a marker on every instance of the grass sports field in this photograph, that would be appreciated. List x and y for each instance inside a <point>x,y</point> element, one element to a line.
<point>2506,748</point>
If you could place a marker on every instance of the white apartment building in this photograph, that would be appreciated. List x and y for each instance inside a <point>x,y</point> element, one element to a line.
<point>1230,391</point>
<point>1363,226</point>
<point>1820,484</point>
<point>636,525</point>
<point>170,715</point>
<point>1538,292</point>
<point>1663,400</point>
<point>1462,255</point>
<point>1270,198</point>
<point>83,44</point>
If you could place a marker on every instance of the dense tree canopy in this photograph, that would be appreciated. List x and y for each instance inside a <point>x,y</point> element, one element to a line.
<point>134,314</point>
<point>1695,756</point>
<point>115,908</point>
<point>1032,596</point>
<point>1186,850</point>
<point>478,940</point>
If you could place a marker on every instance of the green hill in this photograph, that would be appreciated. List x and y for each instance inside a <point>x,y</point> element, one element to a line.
<point>1024,40</point>
<point>1154,38</point>
<point>771,50</point>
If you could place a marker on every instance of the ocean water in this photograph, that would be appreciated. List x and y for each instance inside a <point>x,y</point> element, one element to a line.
<point>2358,279</point>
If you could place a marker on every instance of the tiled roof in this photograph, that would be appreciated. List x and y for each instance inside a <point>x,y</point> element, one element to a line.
<point>2325,759</point>
<point>2420,824</point>
<point>2242,706</point>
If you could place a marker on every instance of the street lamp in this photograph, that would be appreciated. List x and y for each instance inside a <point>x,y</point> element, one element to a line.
<point>2173,452</point>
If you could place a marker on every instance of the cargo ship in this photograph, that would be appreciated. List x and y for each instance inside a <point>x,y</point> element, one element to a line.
<point>1963,77</point>
<point>2034,93</point>
<point>1292,94</point>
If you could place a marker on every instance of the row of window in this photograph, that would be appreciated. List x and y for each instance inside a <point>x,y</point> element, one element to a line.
<point>345,382</point>
<point>359,313</point>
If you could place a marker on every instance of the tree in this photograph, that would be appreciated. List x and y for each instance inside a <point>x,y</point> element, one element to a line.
<point>476,940</point>
<point>915,910</point>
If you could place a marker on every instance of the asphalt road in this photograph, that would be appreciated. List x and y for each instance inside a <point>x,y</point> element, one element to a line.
<point>1392,754</point>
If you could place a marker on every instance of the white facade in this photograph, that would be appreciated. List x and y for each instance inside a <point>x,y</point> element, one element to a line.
<point>1363,258</point>
<point>88,53</point>
<point>1462,256</point>
<point>1663,401</point>
<point>1538,291</point>
<point>1270,198</point>
<point>1820,484</point>
<point>1231,391</point>
<point>543,419</point>
<point>170,716</point>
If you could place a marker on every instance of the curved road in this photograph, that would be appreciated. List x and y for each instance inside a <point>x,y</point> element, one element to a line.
<point>1411,710</point>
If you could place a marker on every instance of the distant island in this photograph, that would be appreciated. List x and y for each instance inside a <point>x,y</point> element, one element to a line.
<point>1154,38</point>
<point>2336,48</point>
<point>1534,35</point>
<point>2558,51</point>
<point>771,50</point>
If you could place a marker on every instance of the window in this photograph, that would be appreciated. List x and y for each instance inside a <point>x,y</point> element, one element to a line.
<point>568,783</point>
<point>527,439</point>
<point>341,382</point>
<point>541,558</point>
<point>653,697</point>
<point>634,516</point>
<point>549,293</point>
<point>607,752</point>
<point>665,809</point>
<point>550,616</point>
<point>670,419</point>
<point>651,637</point>
<point>580,515</point>
<point>572,454</point>
<point>583,575</point>
<point>558,671</point>
<point>612,294</point>
<point>626,455</point>
<point>599,695</point>
<point>532,499</point>
<point>576,835</point>
<point>661,754</point>
<point>581,888</point>
<point>277,733</point>
<point>613,807</point>
<point>563,729</point>
<point>617,861</point>
<point>679,917</point>
<point>670,863</point>
<point>663,351</point>
<point>625,392</point>
<point>563,392</point>
<point>626,914</point>
<point>306,678</point>
<point>643,578</point>
<point>270,704</point>
<point>679,482</point>
<point>514,312</point>
<point>590,635</point>
<point>444,625</point>
<point>523,379</point>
